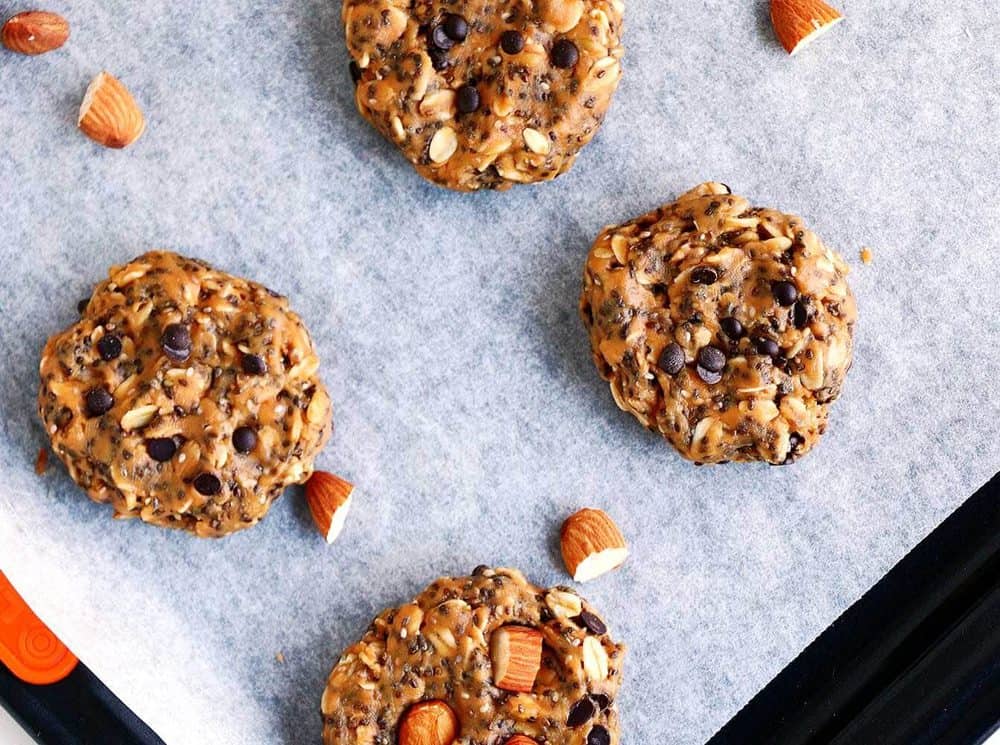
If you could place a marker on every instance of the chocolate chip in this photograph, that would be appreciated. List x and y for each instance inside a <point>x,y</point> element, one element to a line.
<point>355,71</point>
<point>731,327</point>
<point>671,359</point>
<point>109,347</point>
<point>176,342</point>
<point>244,439</point>
<point>82,305</point>
<point>207,484</point>
<point>712,359</point>
<point>161,449</point>
<point>581,712</point>
<point>768,347</point>
<point>704,275</point>
<point>440,38</point>
<point>439,58</point>
<point>253,364</point>
<point>98,401</point>
<point>602,701</point>
<point>709,376</point>
<point>784,292</point>
<point>511,42</point>
<point>591,622</point>
<point>800,314</point>
<point>481,569</point>
<point>455,26</point>
<point>467,99</point>
<point>565,54</point>
<point>598,736</point>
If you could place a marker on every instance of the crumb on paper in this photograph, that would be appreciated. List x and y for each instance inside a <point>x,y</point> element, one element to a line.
<point>280,658</point>
<point>42,461</point>
<point>866,255</point>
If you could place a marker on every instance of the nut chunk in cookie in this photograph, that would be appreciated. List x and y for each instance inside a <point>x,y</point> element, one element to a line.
<point>724,327</point>
<point>488,658</point>
<point>484,94</point>
<point>184,396</point>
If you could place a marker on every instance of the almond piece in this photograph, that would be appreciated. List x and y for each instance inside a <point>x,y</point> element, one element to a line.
<point>34,32</point>
<point>429,723</point>
<point>799,22</point>
<point>329,499</point>
<point>521,740</point>
<point>516,652</point>
<point>591,544</point>
<point>109,115</point>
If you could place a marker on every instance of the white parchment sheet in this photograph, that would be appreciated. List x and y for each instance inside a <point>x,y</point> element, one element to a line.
<point>467,408</point>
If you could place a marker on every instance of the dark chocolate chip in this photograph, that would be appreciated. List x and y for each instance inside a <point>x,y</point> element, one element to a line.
<point>581,712</point>
<point>98,401</point>
<point>565,54</point>
<point>481,569</point>
<point>440,38</point>
<point>207,484</point>
<point>768,347</point>
<point>800,314</point>
<point>602,701</point>
<point>253,364</point>
<point>439,58</point>
<point>709,376</point>
<point>161,449</point>
<point>467,99</point>
<point>591,622</point>
<point>455,26</point>
<point>176,342</point>
<point>784,292</point>
<point>598,736</point>
<point>731,327</point>
<point>712,359</point>
<point>244,439</point>
<point>109,347</point>
<point>355,72</point>
<point>704,275</point>
<point>511,42</point>
<point>82,305</point>
<point>671,359</point>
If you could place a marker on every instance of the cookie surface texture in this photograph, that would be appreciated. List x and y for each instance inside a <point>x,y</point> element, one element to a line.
<point>438,648</point>
<point>184,396</point>
<point>482,94</point>
<point>725,328</point>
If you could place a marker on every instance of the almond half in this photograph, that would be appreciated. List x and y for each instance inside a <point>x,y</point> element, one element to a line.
<point>109,115</point>
<point>429,723</point>
<point>591,544</point>
<point>516,653</point>
<point>329,499</point>
<point>799,22</point>
<point>34,32</point>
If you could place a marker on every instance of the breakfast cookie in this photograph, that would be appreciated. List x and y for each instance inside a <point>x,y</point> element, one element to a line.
<point>484,94</point>
<point>184,396</point>
<point>724,327</point>
<point>483,660</point>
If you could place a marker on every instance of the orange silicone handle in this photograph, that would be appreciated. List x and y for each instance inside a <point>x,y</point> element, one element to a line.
<point>27,646</point>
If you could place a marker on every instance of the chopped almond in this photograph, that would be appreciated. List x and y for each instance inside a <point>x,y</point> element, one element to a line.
<point>800,22</point>
<point>591,544</point>
<point>516,652</point>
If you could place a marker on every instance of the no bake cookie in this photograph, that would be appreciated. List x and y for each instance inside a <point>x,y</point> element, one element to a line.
<point>184,396</point>
<point>488,659</point>
<point>485,94</point>
<point>724,327</point>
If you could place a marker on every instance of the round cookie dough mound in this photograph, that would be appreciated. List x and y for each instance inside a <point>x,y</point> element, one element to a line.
<point>184,396</point>
<point>485,94</point>
<point>727,329</point>
<point>438,647</point>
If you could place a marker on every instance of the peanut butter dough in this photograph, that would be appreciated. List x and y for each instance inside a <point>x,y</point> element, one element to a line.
<point>438,647</point>
<point>724,327</point>
<point>184,396</point>
<point>485,94</point>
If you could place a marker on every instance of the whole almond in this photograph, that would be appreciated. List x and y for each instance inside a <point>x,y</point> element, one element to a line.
<point>429,723</point>
<point>109,115</point>
<point>34,32</point>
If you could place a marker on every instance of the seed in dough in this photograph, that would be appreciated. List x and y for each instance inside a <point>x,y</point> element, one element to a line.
<point>184,396</point>
<point>726,328</point>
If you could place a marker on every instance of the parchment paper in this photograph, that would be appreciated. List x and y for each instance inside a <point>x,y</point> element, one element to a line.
<point>467,408</point>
